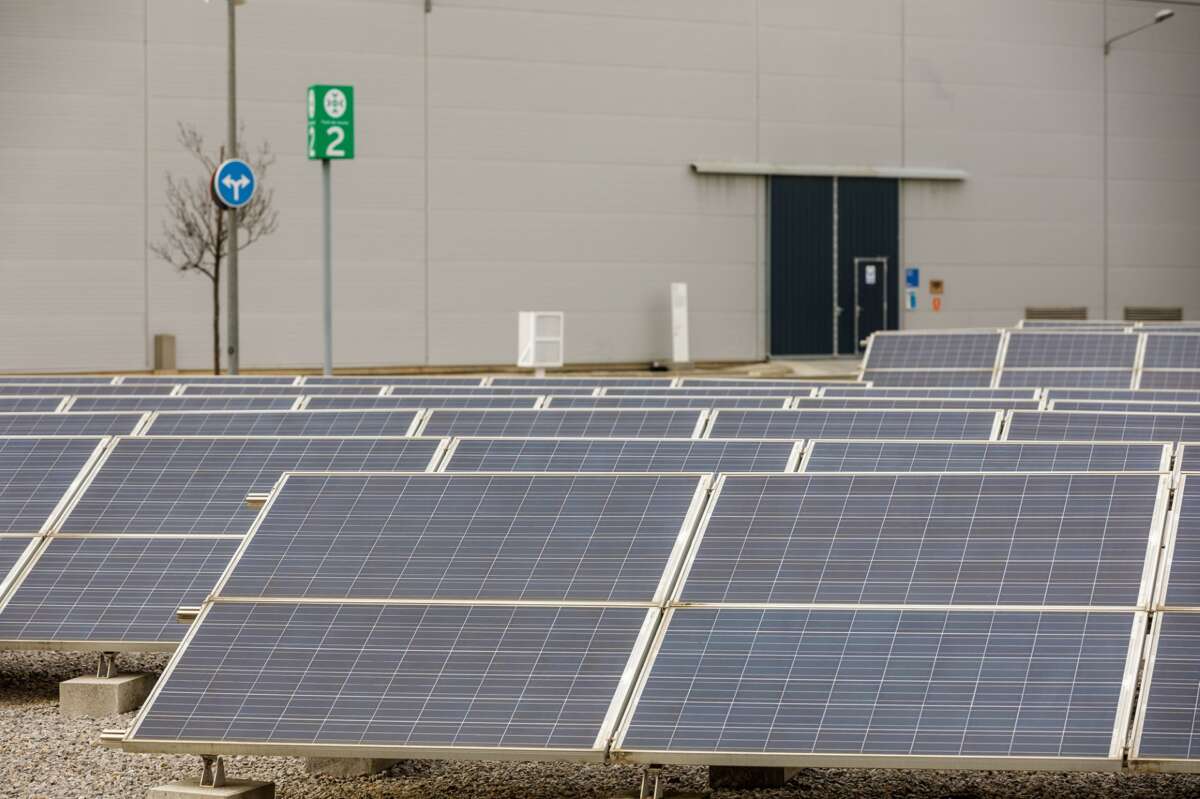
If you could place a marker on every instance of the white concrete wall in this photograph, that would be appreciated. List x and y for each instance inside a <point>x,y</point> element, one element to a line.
<point>532,154</point>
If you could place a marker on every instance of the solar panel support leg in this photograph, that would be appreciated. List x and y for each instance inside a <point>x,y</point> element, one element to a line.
<point>651,783</point>
<point>212,774</point>
<point>106,665</point>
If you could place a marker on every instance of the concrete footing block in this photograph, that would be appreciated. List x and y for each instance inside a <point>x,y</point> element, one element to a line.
<point>104,696</point>
<point>232,789</point>
<point>347,766</point>
<point>742,777</point>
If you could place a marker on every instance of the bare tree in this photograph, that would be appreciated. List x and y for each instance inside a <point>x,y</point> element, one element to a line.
<point>194,233</point>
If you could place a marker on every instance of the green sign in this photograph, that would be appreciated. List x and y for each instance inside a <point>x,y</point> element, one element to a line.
<point>330,122</point>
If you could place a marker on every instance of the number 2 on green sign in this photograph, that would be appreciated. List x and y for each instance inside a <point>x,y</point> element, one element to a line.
<point>333,149</point>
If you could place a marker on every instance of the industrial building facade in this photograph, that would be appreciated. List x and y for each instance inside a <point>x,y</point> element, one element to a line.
<point>790,160</point>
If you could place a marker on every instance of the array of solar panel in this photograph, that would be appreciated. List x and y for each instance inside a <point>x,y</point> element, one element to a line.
<point>121,590</point>
<point>1022,540</point>
<point>551,383</point>
<point>1066,378</point>
<point>30,403</point>
<point>1125,407</point>
<point>1187,380</point>
<point>35,476</point>
<point>1172,351</point>
<point>99,389</point>
<point>1187,457</point>
<point>513,537</point>
<point>983,456</point>
<point>933,351</point>
<point>245,380</point>
<point>618,455</point>
<point>932,393</point>
<point>283,423</point>
<point>1070,350</point>
<point>763,383</point>
<point>1122,395</point>
<point>868,424</point>
<point>1180,584</point>
<point>189,403</point>
<point>68,424</point>
<point>1101,426</point>
<point>64,380</point>
<point>731,391</point>
<point>887,683</point>
<point>1169,721</point>
<point>422,678</point>
<point>977,378</point>
<point>604,423</point>
<point>916,403</point>
<point>498,391</point>
<point>203,389</point>
<point>418,401</point>
<point>393,380</point>
<point>666,402</point>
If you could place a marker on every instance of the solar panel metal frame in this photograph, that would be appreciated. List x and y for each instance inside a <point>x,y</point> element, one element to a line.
<point>417,401</point>
<point>693,391</point>
<point>1000,350</point>
<point>989,374</point>
<point>137,428</point>
<point>1175,765</point>
<point>785,402</point>
<point>793,462</point>
<point>462,381</point>
<point>1141,374</point>
<point>1134,379</point>
<point>685,539</point>
<point>266,389</point>
<point>1008,419</point>
<point>1134,364</point>
<point>69,403</point>
<point>913,403</point>
<point>1167,559</point>
<point>768,383</point>
<point>1146,589</point>
<point>514,381</point>
<point>1131,406</point>
<point>948,392</point>
<point>412,431</point>
<point>949,762</point>
<point>997,422</point>
<point>699,431</point>
<point>234,380</point>
<point>1164,464</point>
<point>597,754</point>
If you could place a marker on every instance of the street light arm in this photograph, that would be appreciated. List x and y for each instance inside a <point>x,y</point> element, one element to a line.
<point>1161,16</point>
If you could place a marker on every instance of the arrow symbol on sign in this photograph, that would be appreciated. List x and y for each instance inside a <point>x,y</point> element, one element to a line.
<point>236,185</point>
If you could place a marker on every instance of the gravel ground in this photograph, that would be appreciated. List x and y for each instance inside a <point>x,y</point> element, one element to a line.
<point>45,756</point>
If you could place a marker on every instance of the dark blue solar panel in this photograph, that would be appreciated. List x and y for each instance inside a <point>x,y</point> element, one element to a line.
<point>1070,350</point>
<point>392,380</point>
<point>1101,426</point>
<point>1188,456</point>
<point>818,423</point>
<point>798,385</point>
<point>206,389</point>
<point>232,380</point>
<point>1170,727</point>
<point>1031,540</point>
<point>283,423</point>
<point>62,380</point>
<point>929,378</point>
<point>885,682</point>
<point>11,549</point>
<point>565,423</point>
<point>731,391</point>
<point>1122,395</point>
<point>915,403</point>
<point>500,391</point>
<point>419,401</point>
<point>617,455</point>
<point>30,403</point>
<point>98,389</point>
<point>1125,407</point>
<point>35,476</point>
<point>666,402</point>
<point>974,456</point>
<point>399,676</point>
<point>1182,568</point>
<point>1167,351</point>
<point>213,403</point>
<point>68,424</point>
<point>1066,378</point>
<point>168,485</point>
<point>884,392</point>
<point>550,384</point>
<point>1189,380</point>
<point>113,589</point>
<point>467,536</point>
<point>933,351</point>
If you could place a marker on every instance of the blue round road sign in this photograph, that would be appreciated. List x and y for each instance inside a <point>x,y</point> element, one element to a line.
<point>234,183</point>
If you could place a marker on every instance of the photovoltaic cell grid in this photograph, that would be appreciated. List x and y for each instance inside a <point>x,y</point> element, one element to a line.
<point>716,383</point>
<point>99,389</point>
<point>1187,457</point>
<point>11,549</point>
<point>507,537</point>
<point>930,378</point>
<point>973,456</point>
<point>68,424</point>
<point>223,389</point>
<point>158,403</point>
<point>611,423</point>
<point>1101,426</point>
<point>1066,378</point>
<point>199,486</point>
<point>702,393</point>
<point>392,380</point>
<point>120,590</point>
<point>500,391</point>
<point>408,676</point>
<point>30,403</point>
<point>886,683</point>
<point>1170,721</point>
<point>933,351</point>
<point>617,455</point>
<point>1186,380</point>
<point>870,424</point>
<point>665,402</point>
<point>62,380</point>
<point>283,423</point>
<point>215,380</point>
<point>1124,407</point>
<point>1179,586</point>
<point>1122,395</point>
<point>931,393</point>
<point>35,475</point>
<point>322,403</point>
<point>549,383</point>
<point>1070,350</point>
<point>919,403</point>
<point>1165,351</point>
<point>1030,540</point>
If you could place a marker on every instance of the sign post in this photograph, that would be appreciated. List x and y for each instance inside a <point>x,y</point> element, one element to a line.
<point>233,185</point>
<point>330,138</point>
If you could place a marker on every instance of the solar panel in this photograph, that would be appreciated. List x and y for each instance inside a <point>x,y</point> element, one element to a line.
<point>12,551</point>
<point>283,423</point>
<point>1020,540</point>
<point>619,455</point>
<point>870,424</point>
<point>1101,426</point>
<point>933,393</point>
<point>391,380</point>
<point>30,403</point>
<point>502,537</point>
<point>503,391</point>
<point>916,403</point>
<point>99,389</point>
<point>654,423</point>
<point>983,456</point>
<point>797,385</point>
<point>975,350</point>
<point>1066,378</point>
<point>36,474</point>
<point>732,391</point>
<point>1124,407</point>
<point>199,485</point>
<point>1122,395</point>
<point>204,389</point>
<point>235,380</point>
<point>160,403</point>
<point>1168,725</point>
<point>1167,351</point>
<point>419,401</point>
<point>551,384</point>
<point>416,680</point>
<point>1188,380</point>
<point>767,686</point>
<point>1079,324</point>
<point>666,402</point>
<point>57,380</point>
<point>69,424</point>
<point>1070,350</point>
<point>120,590</point>
<point>927,378</point>
<point>1179,585</point>
<point>1188,457</point>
